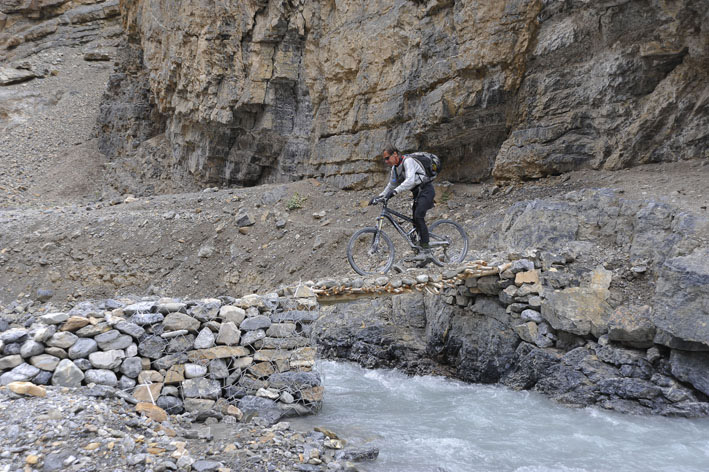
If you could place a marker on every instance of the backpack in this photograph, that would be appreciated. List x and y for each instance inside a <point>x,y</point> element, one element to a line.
<point>430,162</point>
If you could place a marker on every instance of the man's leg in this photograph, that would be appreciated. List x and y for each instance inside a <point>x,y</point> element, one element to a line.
<point>413,216</point>
<point>422,203</point>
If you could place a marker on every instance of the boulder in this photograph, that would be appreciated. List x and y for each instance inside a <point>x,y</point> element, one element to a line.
<point>198,404</point>
<point>82,348</point>
<point>113,340</point>
<point>254,323</point>
<point>152,347</point>
<point>31,348</point>
<point>250,337</point>
<point>171,307</point>
<point>681,301</point>
<point>140,308</point>
<point>202,388</point>
<point>218,369</point>
<point>234,314</point>
<point>151,411</point>
<point>192,371</point>
<point>131,329</point>
<point>262,407</point>
<point>67,374</point>
<point>229,334</point>
<point>172,405</point>
<point>126,384</point>
<point>43,333</point>
<point>205,339</point>
<point>281,330</point>
<point>206,310</point>
<point>63,340</point>
<point>219,352</point>
<point>131,367</point>
<point>144,319</point>
<point>74,323</point>
<point>294,381</point>
<point>27,388</point>
<point>180,321</point>
<point>54,318</point>
<point>22,372</point>
<point>577,310</point>
<point>632,325</point>
<point>13,335</point>
<point>691,367</point>
<point>10,362</point>
<point>45,362</point>
<point>101,377</point>
<point>107,359</point>
<point>147,392</point>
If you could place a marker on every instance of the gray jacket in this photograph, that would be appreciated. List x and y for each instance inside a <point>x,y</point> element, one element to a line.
<point>407,175</point>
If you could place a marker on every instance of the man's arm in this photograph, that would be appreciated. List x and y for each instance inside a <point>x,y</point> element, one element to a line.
<point>412,169</point>
<point>389,189</point>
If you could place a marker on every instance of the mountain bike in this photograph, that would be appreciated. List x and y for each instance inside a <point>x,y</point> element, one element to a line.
<point>371,251</point>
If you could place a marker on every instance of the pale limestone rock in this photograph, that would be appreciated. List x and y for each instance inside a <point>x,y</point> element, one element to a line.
<point>229,334</point>
<point>67,374</point>
<point>27,388</point>
<point>152,411</point>
<point>45,362</point>
<point>148,393</point>
<point>74,323</point>
<point>233,314</point>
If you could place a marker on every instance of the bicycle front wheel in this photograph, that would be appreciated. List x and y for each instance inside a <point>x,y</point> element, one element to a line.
<point>449,242</point>
<point>370,252</point>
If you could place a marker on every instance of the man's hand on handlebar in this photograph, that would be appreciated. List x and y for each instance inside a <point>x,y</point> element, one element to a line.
<point>381,198</point>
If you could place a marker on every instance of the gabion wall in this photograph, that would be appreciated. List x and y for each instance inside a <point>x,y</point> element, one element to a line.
<point>243,356</point>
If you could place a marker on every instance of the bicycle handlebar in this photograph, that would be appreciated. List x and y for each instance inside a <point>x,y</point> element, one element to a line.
<point>379,200</point>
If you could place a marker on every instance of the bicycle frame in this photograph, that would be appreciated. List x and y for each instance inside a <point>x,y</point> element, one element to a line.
<point>388,214</point>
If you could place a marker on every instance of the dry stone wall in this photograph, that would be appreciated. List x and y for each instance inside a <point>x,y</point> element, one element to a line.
<point>266,91</point>
<point>237,356</point>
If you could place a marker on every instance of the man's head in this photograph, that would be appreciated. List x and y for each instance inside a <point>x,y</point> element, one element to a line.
<point>391,156</point>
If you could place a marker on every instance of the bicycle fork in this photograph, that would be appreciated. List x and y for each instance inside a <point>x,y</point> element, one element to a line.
<point>375,241</point>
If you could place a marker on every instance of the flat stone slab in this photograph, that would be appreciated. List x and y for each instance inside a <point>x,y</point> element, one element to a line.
<point>10,76</point>
<point>219,352</point>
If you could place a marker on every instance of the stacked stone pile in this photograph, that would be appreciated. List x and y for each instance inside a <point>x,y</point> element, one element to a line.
<point>414,279</point>
<point>235,356</point>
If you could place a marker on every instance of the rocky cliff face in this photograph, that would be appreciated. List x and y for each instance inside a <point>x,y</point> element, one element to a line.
<point>28,27</point>
<point>262,91</point>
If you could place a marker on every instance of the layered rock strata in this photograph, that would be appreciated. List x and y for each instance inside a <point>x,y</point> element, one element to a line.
<point>29,27</point>
<point>236,356</point>
<point>253,92</point>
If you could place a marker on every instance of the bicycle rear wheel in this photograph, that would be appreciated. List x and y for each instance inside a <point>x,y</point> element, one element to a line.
<point>455,240</point>
<point>370,252</point>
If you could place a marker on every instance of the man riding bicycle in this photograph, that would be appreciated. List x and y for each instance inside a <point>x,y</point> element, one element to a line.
<point>407,173</point>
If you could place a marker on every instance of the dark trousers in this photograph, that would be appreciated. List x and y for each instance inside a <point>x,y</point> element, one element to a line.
<point>423,201</point>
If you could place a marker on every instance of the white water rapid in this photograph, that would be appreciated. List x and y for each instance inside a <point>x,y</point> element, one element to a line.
<point>436,424</point>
